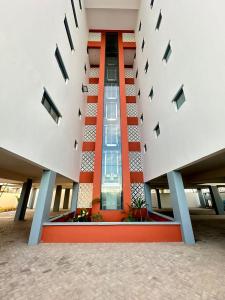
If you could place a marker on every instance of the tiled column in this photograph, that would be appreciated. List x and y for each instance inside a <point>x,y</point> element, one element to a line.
<point>43,206</point>
<point>23,201</point>
<point>180,207</point>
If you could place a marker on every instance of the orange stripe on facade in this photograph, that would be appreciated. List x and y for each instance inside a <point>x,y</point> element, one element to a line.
<point>132,120</point>
<point>90,121</point>
<point>135,146</point>
<point>129,80</point>
<point>93,80</point>
<point>131,99</point>
<point>92,99</point>
<point>129,45</point>
<point>86,177</point>
<point>88,146</point>
<point>124,129</point>
<point>94,44</point>
<point>136,177</point>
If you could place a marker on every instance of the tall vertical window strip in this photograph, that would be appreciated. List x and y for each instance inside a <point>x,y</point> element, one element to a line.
<point>159,21</point>
<point>80,4</point>
<point>167,53</point>
<point>68,34</point>
<point>61,64</point>
<point>74,13</point>
<point>50,107</point>
<point>179,99</point>
<point>152,3</point>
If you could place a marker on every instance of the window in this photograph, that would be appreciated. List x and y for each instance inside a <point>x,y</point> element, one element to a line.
<point>74,13</point>
<point>159,21</point>
<point>143,45</point>
<point>68,34</point>
<point>50,107</point>
<point>146,66</point>
<point>80,4</point>
<point>139,29</point>
<point>139,93</point>
<point>145,148</point>
<point>167,53</point>
<point>111,135</point>
<point>85,68</point>
<point>136,74</point>
<point>142,118</point>
<point>79,113</point>
<point>157,130</point>
<point>76,145</point>
<point>151,94</point>
<point>179,99</point>
<point>61,64</point>
<point>152,3</point>
<point>135,55</point>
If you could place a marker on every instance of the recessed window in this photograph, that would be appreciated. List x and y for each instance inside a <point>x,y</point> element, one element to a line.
<point>146,66</point>
<point>80,4</point>
<point>179,99</point>
<point>159,21</point>
<point>139,29</point>
<point>142,118</point>
<point>61,64</point>
<point>136,74</point>
<point>74,13</point>
<point>157,130</point>
<point>69,34</point>
<point>87,50</point>
<point>152,3</point>
<point>50,107</point>
<point>76,145</point>
<point>79,113</point>
<point>135,55</point>
<point>151,94</point>
<point>143,45</point>
<point>167,53</point>
<point>85,68</point>
<point>145,148</point>
<point>139,93</point>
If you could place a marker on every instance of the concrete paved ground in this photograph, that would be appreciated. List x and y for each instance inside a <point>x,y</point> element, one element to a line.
<point>113,271</point>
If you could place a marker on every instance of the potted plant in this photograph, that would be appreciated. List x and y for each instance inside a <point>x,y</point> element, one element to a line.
<point>82,217</point>
<point>139,207</point>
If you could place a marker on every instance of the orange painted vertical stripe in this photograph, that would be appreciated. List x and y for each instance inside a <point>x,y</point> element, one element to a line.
<point>124,129</point>
<point>99,126</point>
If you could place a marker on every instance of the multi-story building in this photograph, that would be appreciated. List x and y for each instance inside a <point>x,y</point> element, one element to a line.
<point>112,99</point>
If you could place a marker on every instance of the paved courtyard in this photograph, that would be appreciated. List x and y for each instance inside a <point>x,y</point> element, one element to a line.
<point>112,271</point>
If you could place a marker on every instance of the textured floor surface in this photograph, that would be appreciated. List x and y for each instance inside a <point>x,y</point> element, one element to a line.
<point>113,271</point>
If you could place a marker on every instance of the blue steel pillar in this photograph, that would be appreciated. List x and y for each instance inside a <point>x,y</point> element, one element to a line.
<point>216,200</point>
<point>66,199</point>
<point>180,207</point>
<point>148,197</point>
<point>43,206</point>
<point>158,198</point>
<point>201,198</point>
<point>23,201</point>
<point>74,199</point>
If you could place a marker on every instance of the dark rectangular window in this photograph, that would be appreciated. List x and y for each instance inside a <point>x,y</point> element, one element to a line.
<point>157,130</point>
<point>68,34</point>
<point>79,113</point>
<point>159,21</point>
<point>139,93</point>
<point>139,29</point>
<point>179,99</point>
<point>143,45</point>
<point>76,145</point>
<point>151,94</point>
<point>80,4</point>
<point>136,75</point>
<point>61,64</point>
<point>146,66</point>
<point>142,118</point>
<point>167,53</point>
<point>74,13</point>
<point>145,148</point>
<point>50,107</point>
<point>152,3</point>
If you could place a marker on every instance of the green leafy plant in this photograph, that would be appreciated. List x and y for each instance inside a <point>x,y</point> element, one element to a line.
<point>97,217</point>
<point>138,204</point>
<point>82,217</point>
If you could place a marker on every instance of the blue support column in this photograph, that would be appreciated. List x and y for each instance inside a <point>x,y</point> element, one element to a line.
<point>201,198</point>
<point>66,199</point>
<point>216,200</point>
<point>74,199</point>
<point>158,198</point>
<point>148,197</point>
<point>58,194</point>
<point>180,207</point>
<point>43,206</point>
<point>23,201</point>
<point>32,198</point>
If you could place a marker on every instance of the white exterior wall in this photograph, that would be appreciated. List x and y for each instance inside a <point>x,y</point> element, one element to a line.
<point>29,33</point>
<point>196,32</point>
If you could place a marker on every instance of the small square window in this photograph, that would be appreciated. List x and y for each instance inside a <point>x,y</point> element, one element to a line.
<point>85,68</point>
<point>143,45</point>
<point>142,118</point>
<point>79,113</point>
<point>152,3</point>
<point>159,21</point>
<point>179,99</point>
<point>145,148</point>
<point>151,94</point>
<point>167,53</point>
<point>146,66</point>
<point>76,145</point>
<point>139,29</point>
<point>136,74</point>
<point>157,130</point>
<point>139,93</point>
<point>50,107</point>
